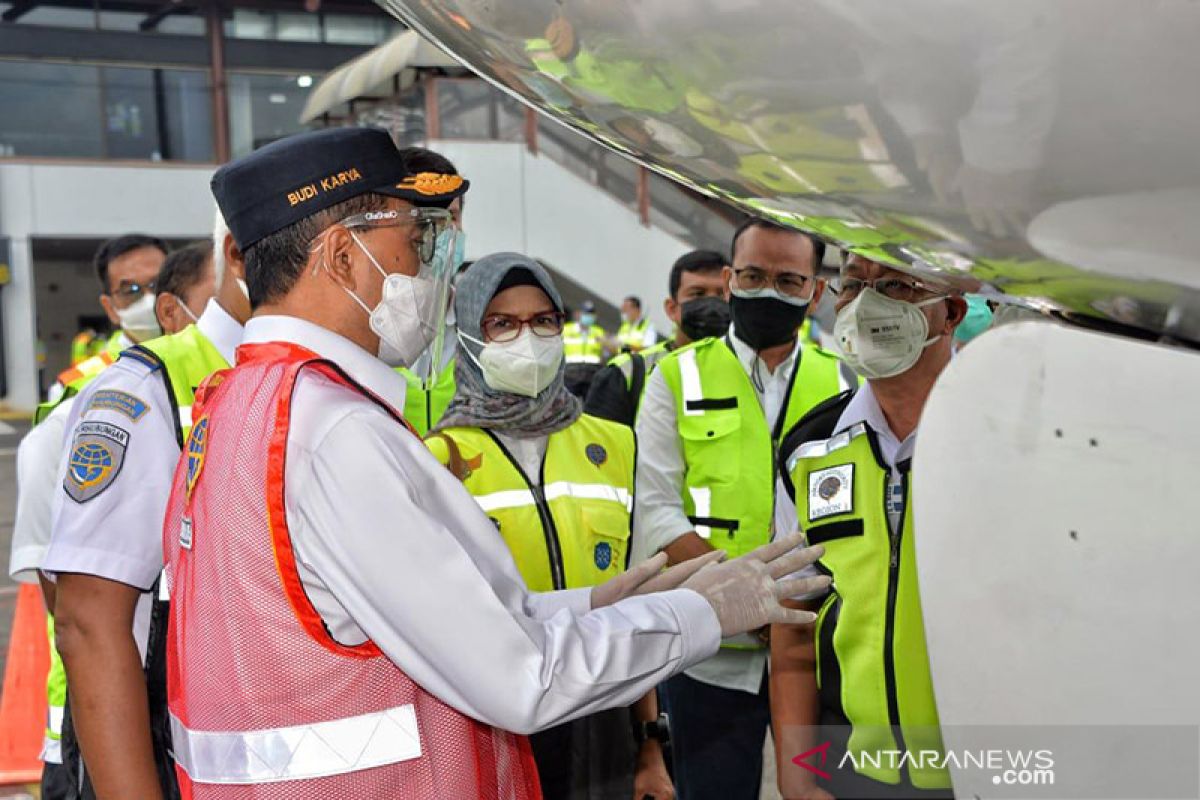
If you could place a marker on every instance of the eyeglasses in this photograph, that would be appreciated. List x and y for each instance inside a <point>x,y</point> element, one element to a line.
<point>429,221</point>
<point>506,327</point>
<point>132,291</point>
<point>904,289</point>
<point>753,279</point>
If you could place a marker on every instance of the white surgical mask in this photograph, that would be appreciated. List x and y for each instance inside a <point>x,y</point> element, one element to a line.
<point>524,366</point>
<point>406,318</point>
<point>245,289</point>
<point>138,319</point>
<point>881,337</point>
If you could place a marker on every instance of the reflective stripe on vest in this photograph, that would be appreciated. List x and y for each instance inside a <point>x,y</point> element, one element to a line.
<point>56,688</point>
<point>872,661</point>
<point>729,452</point>
<point>298,752</point>
<point>631,334</point>
<point>582,347</point>
<point>515,498</point>
<point>573,530</point>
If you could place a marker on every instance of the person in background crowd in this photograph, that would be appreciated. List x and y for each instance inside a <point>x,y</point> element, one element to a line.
<point>584,344</point>
<point>514,431</point>
<point>308,526</point>
<point>106,548</point>
<point>185,284</point>
<point>847,465</point>
<point>430,387</point>
<point>695,304</point>
<point>127,267</point>
<point>636,332</point>
<point>710,422</point>
<point>37,466</point>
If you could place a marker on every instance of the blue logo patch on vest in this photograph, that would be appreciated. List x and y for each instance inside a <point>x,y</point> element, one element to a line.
<point>596,454</point>
<point>196,445</point>
<point>602,555</point>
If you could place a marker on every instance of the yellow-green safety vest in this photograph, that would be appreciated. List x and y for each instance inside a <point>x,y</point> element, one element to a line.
<point>872,662</point>
<point>423,408</point>
<point>729,452</point>
<point>631,334</point>
<point>186,358</point>
<point>571,530</point>
<point>583,346</point>
<point>627,363</point>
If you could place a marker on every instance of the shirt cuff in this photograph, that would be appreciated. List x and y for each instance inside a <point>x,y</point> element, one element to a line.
<point>102,564</point>
<point>699,628</point>
<point>25,563</point>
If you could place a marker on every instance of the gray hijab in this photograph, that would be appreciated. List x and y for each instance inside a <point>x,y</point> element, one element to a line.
<point>477,405</point>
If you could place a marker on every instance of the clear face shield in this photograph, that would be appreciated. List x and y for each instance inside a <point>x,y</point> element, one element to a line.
<point>439,263</point>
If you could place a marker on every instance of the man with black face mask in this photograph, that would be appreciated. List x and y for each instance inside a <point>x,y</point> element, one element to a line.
<point>696,304</point>
<point>708,431</point>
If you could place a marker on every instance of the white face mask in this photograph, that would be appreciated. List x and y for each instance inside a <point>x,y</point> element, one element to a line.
<point>881,337</point>
<point>245,289</point>
<point>406,318</point>
<point>524,366</point>
<point>138,319</point>
<point>186,310</point>
<point>769,293</point>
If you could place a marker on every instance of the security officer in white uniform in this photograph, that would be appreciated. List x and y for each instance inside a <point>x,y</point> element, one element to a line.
<point>190,273</point>
<point>394,557</point>
<point>106,546</point>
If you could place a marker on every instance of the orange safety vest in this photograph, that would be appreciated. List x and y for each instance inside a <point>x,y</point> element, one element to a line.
<point>263,701</point>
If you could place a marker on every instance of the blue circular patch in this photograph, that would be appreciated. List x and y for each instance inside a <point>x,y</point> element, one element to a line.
<point>90,464</point>
<point>602,555</point>
<point>196,445</point>
<point>596,454</point>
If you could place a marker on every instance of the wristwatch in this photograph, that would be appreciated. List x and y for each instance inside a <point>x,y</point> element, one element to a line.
<point>659,730</point>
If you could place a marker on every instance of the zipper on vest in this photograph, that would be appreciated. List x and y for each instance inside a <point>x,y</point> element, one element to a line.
<point>889,635</point>
<point>549,530</point>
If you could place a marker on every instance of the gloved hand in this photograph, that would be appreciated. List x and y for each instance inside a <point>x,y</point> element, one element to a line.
<point>745,592</point>
<point>649,577</point>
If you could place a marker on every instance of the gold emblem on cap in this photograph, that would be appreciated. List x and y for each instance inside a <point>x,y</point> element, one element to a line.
<point>431,183</point>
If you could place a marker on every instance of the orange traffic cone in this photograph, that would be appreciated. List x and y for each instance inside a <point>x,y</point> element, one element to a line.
<point>23,703</point>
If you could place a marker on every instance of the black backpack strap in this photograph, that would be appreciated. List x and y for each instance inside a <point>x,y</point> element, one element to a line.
<point>637,381</point>
<point>819,423</point>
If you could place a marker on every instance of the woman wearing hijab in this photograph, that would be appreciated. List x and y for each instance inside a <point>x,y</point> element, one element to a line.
<point>557,483</point>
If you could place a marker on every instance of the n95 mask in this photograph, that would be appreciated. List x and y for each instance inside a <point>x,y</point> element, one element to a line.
<point>138,319</point>
<point>525,366</point>
<point>881,337</point>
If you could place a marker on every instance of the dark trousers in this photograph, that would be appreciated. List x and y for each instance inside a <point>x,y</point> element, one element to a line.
<point>592,758</point>
<point>717,738</point>
<point>56,782</point>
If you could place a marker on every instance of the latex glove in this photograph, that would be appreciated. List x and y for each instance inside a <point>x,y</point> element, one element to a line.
<point>649,576</point>
<point>745,592</point>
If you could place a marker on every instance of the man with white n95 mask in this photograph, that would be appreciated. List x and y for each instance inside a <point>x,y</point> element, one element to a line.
<point>345,621</point>
<point>846,465</point>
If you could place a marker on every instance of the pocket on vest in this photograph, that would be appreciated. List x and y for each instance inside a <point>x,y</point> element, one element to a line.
<point>712,446</point>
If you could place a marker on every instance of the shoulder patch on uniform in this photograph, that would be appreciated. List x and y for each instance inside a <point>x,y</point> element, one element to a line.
<point>122,402</point>
<point>97,454</point>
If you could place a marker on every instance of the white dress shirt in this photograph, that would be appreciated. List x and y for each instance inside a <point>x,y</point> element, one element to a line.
<point>390,546</point>
<point>659,518</point>
<point>37,465</point>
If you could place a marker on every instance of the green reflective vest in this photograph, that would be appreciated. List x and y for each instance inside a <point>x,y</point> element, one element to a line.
<point>583,346</point>
<point>872,662</point>
<point>729,452</point>
<point>571,530</point>
<point>631,334</point>
<point>636,368</point>
<point>423,408</point>
<point>186,359</point>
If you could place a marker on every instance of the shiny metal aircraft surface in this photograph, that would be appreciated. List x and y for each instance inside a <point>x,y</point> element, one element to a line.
<point>1048,150</point>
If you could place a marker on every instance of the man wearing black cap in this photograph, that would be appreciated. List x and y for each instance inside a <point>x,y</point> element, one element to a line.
<point>126,428</point>
<point>345,621</point>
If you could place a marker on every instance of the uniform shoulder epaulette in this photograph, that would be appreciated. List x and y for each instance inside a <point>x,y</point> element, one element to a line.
<point>143,357</point>
<point>817,424</point>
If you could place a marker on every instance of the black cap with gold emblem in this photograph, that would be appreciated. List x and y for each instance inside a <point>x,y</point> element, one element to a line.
<point>299,176</point>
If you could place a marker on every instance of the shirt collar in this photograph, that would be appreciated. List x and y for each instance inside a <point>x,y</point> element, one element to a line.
<point>367,370</point>
<point>221,329</point>
<point>864,407</point>
<point>746,356</point>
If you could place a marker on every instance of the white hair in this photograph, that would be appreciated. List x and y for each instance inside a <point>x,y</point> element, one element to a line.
<point>220,230</point>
